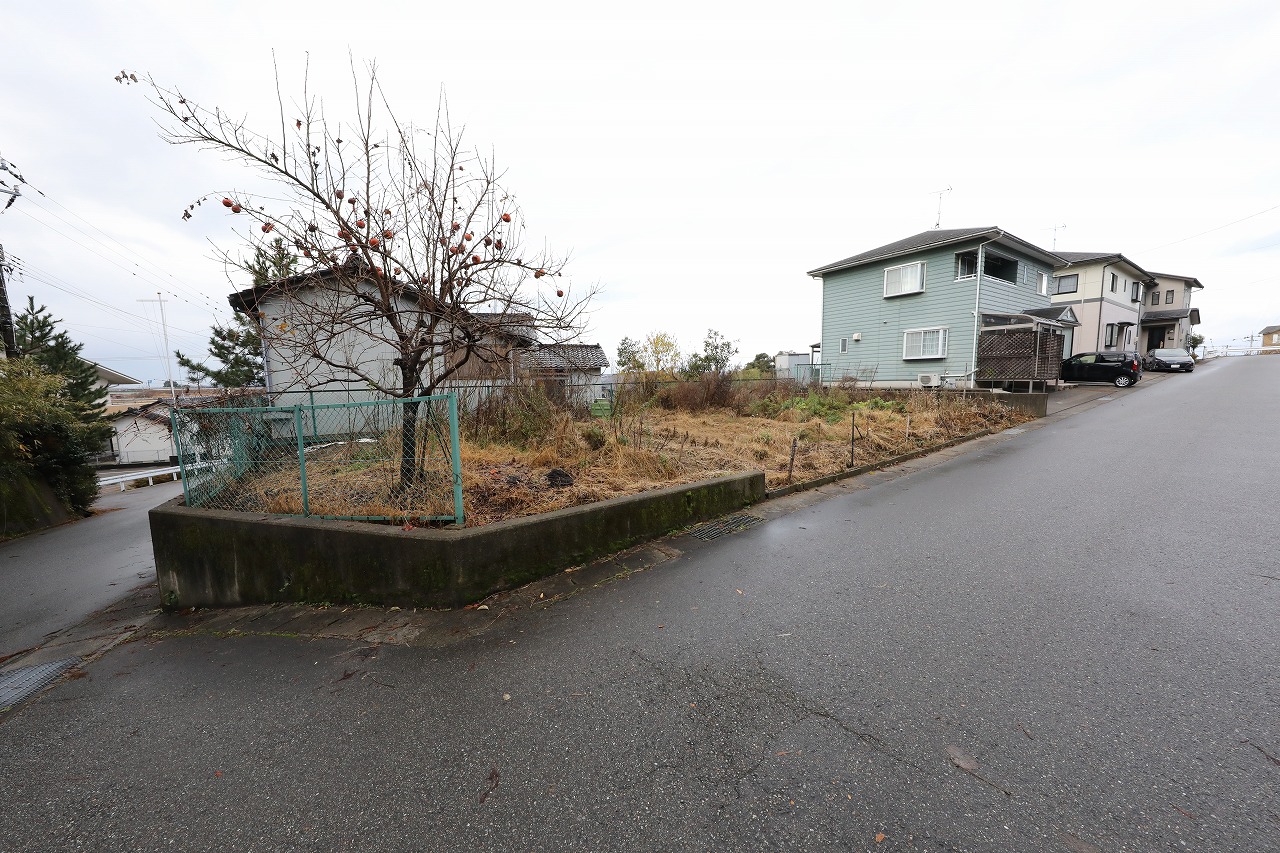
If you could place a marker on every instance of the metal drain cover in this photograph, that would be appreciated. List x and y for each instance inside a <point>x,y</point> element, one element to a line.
<point>26,682</point>
<point>724,526</point>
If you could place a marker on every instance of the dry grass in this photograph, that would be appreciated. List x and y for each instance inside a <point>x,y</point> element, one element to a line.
<point>654,448</point>
<point>643,448</point>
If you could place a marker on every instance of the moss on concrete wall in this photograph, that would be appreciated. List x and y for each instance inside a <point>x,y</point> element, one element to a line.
<point>213,558</point>
<point>27,503</point>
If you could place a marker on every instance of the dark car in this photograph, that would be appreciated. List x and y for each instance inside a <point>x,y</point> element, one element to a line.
<point>1169,359</point>
<point>1120,368</point>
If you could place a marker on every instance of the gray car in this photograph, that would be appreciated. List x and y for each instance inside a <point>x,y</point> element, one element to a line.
<point>1169,359</point>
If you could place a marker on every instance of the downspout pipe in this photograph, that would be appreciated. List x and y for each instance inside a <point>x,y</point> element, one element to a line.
<point>977,309</point>
<point>1102,284</point>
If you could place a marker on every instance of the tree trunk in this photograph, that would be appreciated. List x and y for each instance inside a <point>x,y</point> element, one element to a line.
<point>408,436</point>
<point>408,447</point>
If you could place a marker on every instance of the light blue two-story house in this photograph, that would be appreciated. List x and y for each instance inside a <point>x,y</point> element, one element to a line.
<point>910,313</point>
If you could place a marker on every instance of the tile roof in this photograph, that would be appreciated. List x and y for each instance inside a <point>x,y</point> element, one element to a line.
<point>1191,280</point>
<point>1269,329</point>
<point>928,240</point>
<point>1161,316</point>
<point>566,357</point>
<point>1062,313</point>
<point>1074,258</point>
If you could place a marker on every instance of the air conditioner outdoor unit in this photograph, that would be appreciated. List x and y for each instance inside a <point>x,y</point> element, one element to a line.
<point>929,380</point>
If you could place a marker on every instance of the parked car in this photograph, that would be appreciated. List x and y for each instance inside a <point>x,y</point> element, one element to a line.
<point>1120,368</point>
<point>1169,359</point>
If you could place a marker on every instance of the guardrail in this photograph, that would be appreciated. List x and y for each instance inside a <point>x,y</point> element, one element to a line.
<point>1224,352</point>
<point>123,480</point>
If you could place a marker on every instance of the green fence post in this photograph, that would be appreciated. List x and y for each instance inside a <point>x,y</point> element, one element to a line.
<point>177,446</point>
<point>457,459</point>
<point>302,456</point>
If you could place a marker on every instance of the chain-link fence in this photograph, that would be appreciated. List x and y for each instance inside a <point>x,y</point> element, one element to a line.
<point>376,460</point>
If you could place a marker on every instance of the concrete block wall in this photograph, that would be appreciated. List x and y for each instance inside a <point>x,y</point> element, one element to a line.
<point>216,558</point>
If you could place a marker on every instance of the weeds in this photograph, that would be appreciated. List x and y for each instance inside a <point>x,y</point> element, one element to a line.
<point>514,436</point>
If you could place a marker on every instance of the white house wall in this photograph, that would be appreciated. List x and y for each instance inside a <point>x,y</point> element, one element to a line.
<point>140,440</point>
<point>296,324</point>
<point>1095,305</point>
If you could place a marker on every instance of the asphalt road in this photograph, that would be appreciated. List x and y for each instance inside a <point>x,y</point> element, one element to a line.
<point>55,578</point>
<point>1066,641</point>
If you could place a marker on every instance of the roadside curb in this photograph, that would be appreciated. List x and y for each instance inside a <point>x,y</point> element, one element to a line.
<point>87,641</point>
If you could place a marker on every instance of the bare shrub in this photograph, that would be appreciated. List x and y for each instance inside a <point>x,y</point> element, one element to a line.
<point>519,415</point>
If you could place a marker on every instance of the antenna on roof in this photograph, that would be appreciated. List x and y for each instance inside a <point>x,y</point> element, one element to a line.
<point>1055,229</point>
<point>937,223</point>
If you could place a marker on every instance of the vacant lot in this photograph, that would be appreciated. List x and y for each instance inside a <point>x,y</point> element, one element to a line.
<point>517,447</point>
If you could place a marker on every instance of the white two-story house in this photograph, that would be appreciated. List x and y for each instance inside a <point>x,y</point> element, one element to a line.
<point>1167,317</point>
<point>1106,292</point>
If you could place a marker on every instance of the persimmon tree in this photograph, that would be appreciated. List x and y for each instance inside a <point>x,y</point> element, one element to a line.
<point>410,251</point>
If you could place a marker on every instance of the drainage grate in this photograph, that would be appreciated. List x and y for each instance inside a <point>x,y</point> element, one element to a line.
<point>26,682</point>
<point>724,526</point>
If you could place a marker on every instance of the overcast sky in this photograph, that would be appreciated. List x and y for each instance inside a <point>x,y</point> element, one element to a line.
<point>693,159</point>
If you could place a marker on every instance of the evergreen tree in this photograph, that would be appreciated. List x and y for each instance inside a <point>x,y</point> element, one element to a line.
<point>630,356</point>
<point>38,338</point>
<point>238,347</point>
<point>42,431</point>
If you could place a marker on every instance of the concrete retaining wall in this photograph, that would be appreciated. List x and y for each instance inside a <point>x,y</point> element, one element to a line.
<point>217,558</point>
<point>1035,403</point>
<point>28,502</point>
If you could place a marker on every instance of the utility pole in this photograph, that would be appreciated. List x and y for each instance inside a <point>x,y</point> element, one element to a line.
<point>164,329</point>
<point>168,372</point>
<point>6,315</point>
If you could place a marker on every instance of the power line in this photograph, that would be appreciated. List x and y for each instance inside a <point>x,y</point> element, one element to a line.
<point>111,261</point>
<point>1211,230</point>
<point>176,283</point>
<point>51,280</point>
<point>12,170</point>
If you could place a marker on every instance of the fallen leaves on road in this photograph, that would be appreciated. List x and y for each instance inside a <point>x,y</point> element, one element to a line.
<point>969,764</point>
<point>493,778</point>
<point>880,836</point>
<point>962,759</point>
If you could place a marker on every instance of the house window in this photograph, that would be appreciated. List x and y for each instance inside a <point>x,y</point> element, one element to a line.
<point>1066,284</point>
<point>924,343</point>
<point>966,264</point>
<point>907,278</point>
<point>1110,340</point>
<point>1168,297</point>
<point>1114,283</point>
<point>844,345</point>
<point>1137,292</point>
<point>1044,284</point>
<point>1004,269</point>
<point>1155,297</point>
